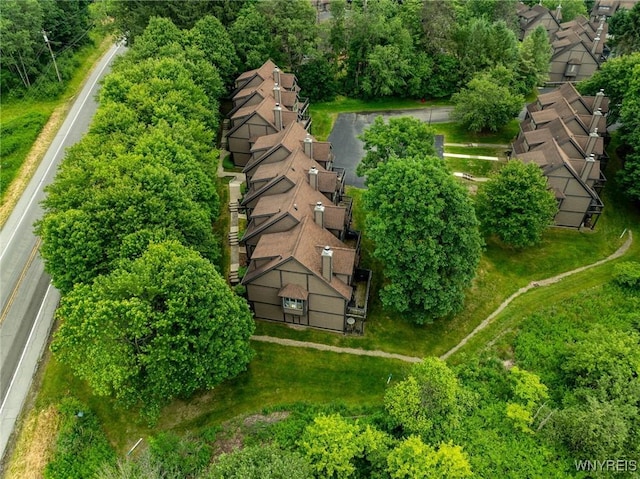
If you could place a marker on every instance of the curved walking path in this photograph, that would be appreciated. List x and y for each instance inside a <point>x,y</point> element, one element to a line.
<point>336,349</point>
<point>412,359</point>
<point>535,284</point>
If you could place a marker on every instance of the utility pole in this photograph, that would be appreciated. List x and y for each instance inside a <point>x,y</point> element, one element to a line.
<point>46,40</point>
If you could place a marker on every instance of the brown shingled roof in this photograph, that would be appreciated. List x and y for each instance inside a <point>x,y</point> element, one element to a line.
<point>294,291</point>
<point>304,244</point>
<point>264,71</point>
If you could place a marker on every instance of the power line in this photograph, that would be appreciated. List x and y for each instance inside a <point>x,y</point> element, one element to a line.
<point>44,34</point>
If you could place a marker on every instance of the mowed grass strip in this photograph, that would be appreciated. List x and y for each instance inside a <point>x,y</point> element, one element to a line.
<point>277,375</point>
<point>475,167</point>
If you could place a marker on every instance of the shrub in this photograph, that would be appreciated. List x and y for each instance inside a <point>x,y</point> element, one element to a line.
<point>81,448</point>
<point>627,275</point>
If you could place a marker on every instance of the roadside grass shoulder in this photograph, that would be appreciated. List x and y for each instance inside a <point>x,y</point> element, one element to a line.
<point>23,119</point>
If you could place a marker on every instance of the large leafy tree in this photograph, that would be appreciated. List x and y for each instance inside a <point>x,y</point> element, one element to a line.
<point>425,233</point>
<point>160,327</point>
<point>337,447</point>
<point>401,137</point>
<point>21,22</point>
<point>485,105</point>
<point>429,402</point>
<point>281,30</point>
<point>535,55</point>
<point>624,28</point>
<point>516,205</point>
<point>481,44</point>
<point>211,37</point>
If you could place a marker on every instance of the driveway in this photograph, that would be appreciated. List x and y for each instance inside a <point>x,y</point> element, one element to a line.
<point>348,148</point>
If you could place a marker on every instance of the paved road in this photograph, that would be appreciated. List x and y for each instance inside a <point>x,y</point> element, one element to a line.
<point>28,300</point>
<point>348,148</point>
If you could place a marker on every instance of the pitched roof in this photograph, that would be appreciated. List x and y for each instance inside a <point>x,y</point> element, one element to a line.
<point>265,109</point>
<point>303,243</point>
<point>265,89</point>
<point>549,157</point>
<point>294,168</point>
<point>296,203</point>
<point>294,291</point>
<point>263,71</point>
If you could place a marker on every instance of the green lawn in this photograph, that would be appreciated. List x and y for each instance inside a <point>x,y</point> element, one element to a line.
<point>325,114</point>
<point>479,168</point>
<point>454,133</point>
<point>277,375</point>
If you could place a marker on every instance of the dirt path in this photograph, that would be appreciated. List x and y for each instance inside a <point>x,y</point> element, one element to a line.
<point>536,284</point>
<point>336,349</point>
<point>412,359</point>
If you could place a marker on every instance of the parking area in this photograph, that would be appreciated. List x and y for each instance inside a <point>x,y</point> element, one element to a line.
<point>348,148</point>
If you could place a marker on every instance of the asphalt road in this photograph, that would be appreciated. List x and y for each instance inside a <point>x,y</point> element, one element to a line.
<point>27,298</point>
<point>348,148</point>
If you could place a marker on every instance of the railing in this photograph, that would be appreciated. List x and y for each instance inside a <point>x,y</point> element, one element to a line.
<point>358,305</point>
<point>347,203</point>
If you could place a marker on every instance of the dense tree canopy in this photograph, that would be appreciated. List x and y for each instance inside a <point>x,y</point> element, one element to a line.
<point>516,205</point>
<point>282,30</point>
<point>413,459</point>
<point>26,60</point>
<point>162,326</point>
<point>399,138</point>
<point>131,18</point>
<point>620,80</point>
<point>426,234</point>
<point>485,105</point>
<point>535,55</point>
<point>429,402</point>
<point>624,28</point>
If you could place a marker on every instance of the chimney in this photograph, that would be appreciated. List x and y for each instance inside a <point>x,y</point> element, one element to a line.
<point>559,13</point>
<point>308,146</point>
<point>313,177</point>
<point>598,101</point>
<point>276,93</point>
<point>594,47</point>
<point>318,214</point>
<point>327,263</point>
<point>595,119</point>
<point>277,113</point>
<point>589,161</point>
<point>591,142</point>
<point>276,75</point>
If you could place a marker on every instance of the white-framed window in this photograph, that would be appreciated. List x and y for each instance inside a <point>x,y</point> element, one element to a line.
<point>293,306</point>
